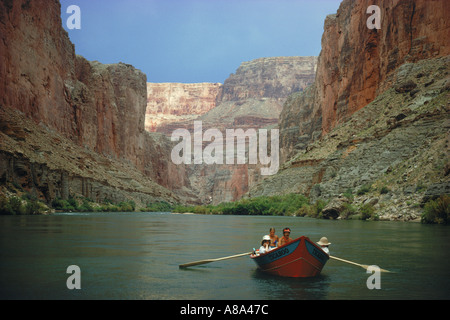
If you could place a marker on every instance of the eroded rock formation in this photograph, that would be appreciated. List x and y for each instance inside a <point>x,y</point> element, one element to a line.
<point>251,98</point>
<point>173,102</point>
<point>356,62</point>
<point>97,107</point>
<point>377,111</point>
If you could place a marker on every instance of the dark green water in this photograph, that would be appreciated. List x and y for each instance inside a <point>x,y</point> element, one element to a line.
<point>136,256</point>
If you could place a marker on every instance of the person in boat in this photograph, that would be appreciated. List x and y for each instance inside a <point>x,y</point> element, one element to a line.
<point>265,245</point>
<point>286,237</point>
<point>324,243</point>
<point>273,238</point>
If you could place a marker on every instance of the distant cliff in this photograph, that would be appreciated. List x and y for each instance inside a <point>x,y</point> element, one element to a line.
<point>274,77</point>
<point>252,97</point>
<point>172,102</point>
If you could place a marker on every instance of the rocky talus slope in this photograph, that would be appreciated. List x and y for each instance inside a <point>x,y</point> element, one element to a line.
<point>399,142</point>
<point>374,125</point>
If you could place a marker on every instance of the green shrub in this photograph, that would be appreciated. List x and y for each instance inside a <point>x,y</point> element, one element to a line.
<point>5,207</point>
<point>15,205</point>
<point>367,211</point>
<point>437,211</point>
<point>159,206</point>
<point>275,205</point>
<point>34,206</point>
<point>126,206</point>
<point>349,194</point>
<point>384,190</point>
<point>86,206</point>
<point>349,210</point>
<point>59,204</point>
<point>364,189</point>
<point>73,203</point>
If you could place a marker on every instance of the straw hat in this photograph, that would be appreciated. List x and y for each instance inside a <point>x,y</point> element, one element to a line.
<point>323,242</point>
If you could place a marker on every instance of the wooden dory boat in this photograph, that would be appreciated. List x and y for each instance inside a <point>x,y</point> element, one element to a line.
<point>299,258</point>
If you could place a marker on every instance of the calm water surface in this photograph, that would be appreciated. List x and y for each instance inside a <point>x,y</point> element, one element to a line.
<point>136,256</point>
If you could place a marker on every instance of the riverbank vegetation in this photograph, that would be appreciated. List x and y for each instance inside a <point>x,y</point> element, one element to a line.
<point>88,205</point>
<point>21,205</point>
<point>435,211</point>
<point>286,205</point>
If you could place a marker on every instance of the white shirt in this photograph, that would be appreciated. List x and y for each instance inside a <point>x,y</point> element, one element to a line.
<point>262,250</point>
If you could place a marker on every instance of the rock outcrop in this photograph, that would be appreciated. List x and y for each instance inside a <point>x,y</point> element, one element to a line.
<point>48,165</point>
<point>173,102</point>
<point>398,142</point>
<point>274,77</point>
<point>98,107</point>
<point>355,63</point>
<point>251,98</point>
<point>377,114</point>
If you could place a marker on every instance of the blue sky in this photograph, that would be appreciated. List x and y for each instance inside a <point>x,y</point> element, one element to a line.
<point>196,40</point>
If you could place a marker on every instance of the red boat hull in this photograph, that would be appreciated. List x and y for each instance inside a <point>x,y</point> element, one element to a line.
<point>299,258</point>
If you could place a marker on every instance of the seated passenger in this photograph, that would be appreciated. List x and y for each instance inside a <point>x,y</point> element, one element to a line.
<point>273,238</point>
<point>285,238</point>
<point>265,245</point>
<point>323,243</point>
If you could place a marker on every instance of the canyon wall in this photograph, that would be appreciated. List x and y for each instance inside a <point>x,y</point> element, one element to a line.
<point>251,98</point>
<point>376,111</point>
<point>273,77</point>
<point>172,102</point>
<point>355,62</point>
<point>98,107</point>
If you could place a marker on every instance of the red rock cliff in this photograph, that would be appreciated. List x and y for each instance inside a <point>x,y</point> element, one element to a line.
<point>356,63</point>
<point>37,63</point>
<point>99,107</point>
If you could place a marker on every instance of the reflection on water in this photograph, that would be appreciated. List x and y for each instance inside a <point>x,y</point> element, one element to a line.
<point>286,288</point>
<point>136,256</point>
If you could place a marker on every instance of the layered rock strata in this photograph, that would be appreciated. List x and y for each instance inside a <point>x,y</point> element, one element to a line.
<point>356,62</point>
<point>398,143</point>
<point>173,102</point>
<point>251,98</point>
<point>97,107</point>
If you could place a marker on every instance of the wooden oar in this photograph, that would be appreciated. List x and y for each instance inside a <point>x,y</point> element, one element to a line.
<point>357,264</point>
<point>196,263</point>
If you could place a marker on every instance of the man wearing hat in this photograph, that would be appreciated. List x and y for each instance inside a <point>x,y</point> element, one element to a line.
<point>324,243</point>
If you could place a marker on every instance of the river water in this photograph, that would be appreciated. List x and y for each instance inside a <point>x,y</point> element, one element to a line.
<point>136,256</point>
